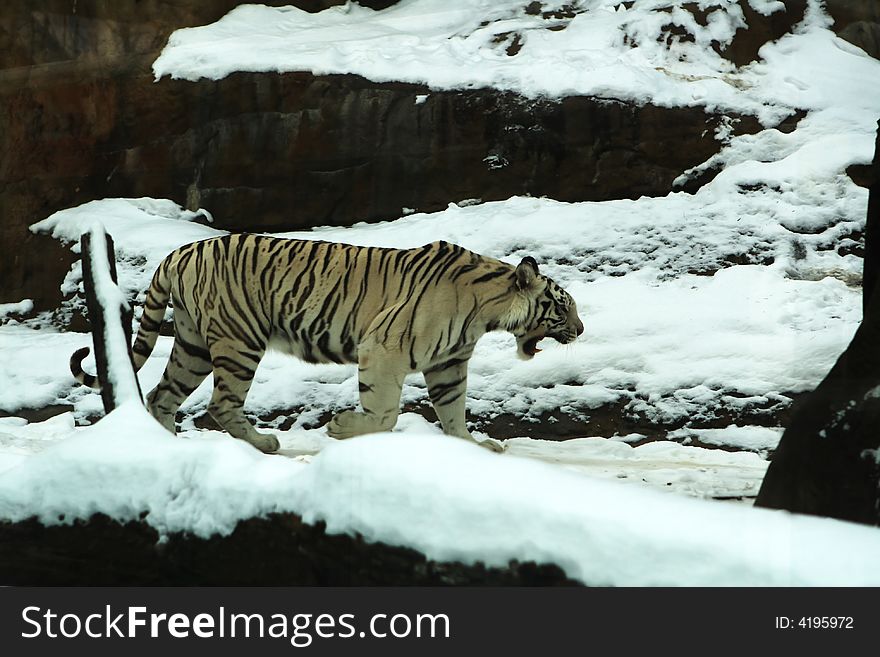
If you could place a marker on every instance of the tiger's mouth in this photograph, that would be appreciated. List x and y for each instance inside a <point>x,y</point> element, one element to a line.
<point>527,346</point>
<point>531,346</point>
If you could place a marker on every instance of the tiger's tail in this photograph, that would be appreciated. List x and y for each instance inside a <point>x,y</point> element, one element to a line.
<point>158,295</point>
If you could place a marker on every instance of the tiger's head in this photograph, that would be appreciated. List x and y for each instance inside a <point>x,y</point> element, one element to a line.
<point>549,311</point>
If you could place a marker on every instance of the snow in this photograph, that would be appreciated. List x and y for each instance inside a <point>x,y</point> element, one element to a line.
<point>604,50</point>
<point>447,498</point>
<point>594,506</point>
<point>22,307</point>
<point>759,439</point>
<point>42,378</point>
<point>20,439</point>
<point>698,310</point>
<point>662,464</point>
<point>130,222</point>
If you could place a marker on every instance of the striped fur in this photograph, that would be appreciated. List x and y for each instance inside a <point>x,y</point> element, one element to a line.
<point>391,311</point>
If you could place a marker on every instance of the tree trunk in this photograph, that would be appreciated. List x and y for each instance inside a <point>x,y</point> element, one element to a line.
<point>828,460</point>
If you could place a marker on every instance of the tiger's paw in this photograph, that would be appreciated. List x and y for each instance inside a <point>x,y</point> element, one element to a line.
<point>265,442</point>
<point>344,425</point>
<point>492,445</point>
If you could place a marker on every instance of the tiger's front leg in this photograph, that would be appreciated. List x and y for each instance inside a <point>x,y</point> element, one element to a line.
<point>447,387</point>
<point>234,369</point>
<point>380,379</point>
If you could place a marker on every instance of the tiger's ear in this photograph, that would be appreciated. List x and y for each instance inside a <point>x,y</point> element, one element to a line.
<point>526,272</point>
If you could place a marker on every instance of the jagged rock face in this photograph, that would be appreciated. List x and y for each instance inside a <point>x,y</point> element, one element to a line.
<point>857,21</point>
<point>271,152</point>
<point>63,65</point>
<point>275,152</point>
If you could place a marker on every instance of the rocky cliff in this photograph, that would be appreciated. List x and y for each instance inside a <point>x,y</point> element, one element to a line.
<point>82,118</point>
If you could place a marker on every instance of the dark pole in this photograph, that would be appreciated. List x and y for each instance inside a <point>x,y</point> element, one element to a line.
<point>101,318</point>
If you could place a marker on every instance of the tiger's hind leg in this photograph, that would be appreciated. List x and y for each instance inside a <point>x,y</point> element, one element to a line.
<point>447,387</point>
<point>188,365</point>
<point>234,368</point>
<point>380,380</point>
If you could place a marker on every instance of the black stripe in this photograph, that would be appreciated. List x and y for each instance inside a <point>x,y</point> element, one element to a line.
<point>324,347</point>
<point>453,362</point>
<point>489,276</point>
<point>348,350</point>
<point>439,391</point>
<point>192,350</point>
<point>447,402</point>
<point>234,367</point>
<point>148,324</point>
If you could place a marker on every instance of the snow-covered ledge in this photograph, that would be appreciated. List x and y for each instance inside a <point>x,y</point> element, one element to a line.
<point>449,500</point>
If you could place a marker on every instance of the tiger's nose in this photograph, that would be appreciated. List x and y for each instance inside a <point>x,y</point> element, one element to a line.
<point>580,327</point>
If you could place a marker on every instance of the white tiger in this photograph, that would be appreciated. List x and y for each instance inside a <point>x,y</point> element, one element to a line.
<point>391,311</point>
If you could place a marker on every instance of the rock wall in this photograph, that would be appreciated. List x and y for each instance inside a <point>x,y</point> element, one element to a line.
<point>82,118</point>
<point>857,21</point>
<point>60,62</point>
<point>269,151</point>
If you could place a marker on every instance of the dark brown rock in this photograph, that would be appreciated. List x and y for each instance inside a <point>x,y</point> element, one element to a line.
<point>857,21</point>
<point>61,63</point>
<point>762,29</point>
<point>861,174</point>
<point>270,152</point>
<point>845,12</point>
<point>864,35</point>
<point>279,550</point>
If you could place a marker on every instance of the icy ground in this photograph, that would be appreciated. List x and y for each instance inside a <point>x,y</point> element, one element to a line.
<point>701,311</point>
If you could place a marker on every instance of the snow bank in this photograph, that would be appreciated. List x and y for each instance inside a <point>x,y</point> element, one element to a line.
<point>140,227</point>
<point>20,439</point>
<point>661,464</point>
<point>33,368</point>
<point>603,48</point>
<point>442,496</point>
<point>22,307</point>
<point>759,439</point>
